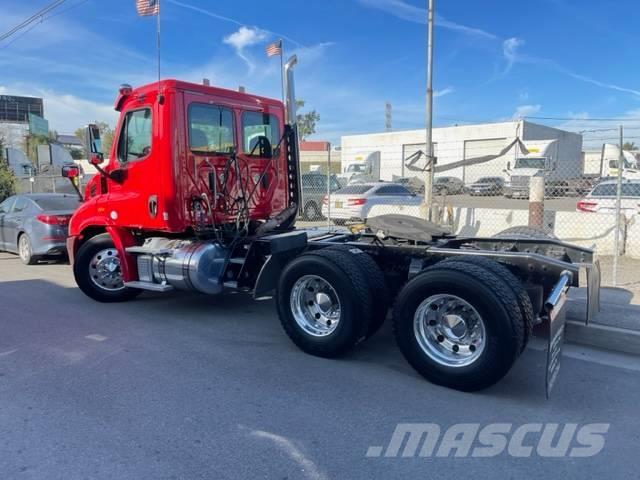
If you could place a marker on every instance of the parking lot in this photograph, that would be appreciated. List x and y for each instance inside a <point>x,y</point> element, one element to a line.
<point>187,386</point>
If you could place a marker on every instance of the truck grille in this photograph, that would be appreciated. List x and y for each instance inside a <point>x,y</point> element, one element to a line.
<point>519,181</point>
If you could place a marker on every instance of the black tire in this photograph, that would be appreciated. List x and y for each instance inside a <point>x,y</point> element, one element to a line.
<point>27,257</point>
<point>349,282</point>
<point>311,212</point>
<point>81,272</point>
<point>495,303</point>
<point>377,286</point>
<point>525,232</point>
<point>513,282</point>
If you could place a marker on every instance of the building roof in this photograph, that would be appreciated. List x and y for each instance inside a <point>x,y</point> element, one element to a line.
<point>317,146</point>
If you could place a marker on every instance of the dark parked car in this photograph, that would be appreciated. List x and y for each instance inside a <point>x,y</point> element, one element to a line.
<point>487,186</point>
<point>35,226</point>
<point>314,189</point>
<point>448,186</point>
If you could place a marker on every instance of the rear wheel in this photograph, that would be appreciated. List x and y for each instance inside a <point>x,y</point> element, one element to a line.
<point>97,271</point>
<point>377,286</point>
<point>509,279</point>
<point>25,250</point>
<point>324,303</point>
<point>459,325</point>
<point>525,232</point>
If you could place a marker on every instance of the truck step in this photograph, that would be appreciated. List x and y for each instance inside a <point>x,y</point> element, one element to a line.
<point>152,287</point>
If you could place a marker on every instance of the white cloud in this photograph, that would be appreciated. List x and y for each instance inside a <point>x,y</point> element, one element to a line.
<point>411,13</point>
<point>510,51</point>
<point>243,38</point>
<point>443,92</point>
<point>526,110</point>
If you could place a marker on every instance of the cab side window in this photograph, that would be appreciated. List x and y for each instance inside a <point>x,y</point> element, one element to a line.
<point>135,136</point>
<point>261,133</point>
<point>210,129</point>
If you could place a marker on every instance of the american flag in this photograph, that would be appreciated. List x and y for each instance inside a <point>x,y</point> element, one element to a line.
<point>274,49</point>
<point>148,7</point>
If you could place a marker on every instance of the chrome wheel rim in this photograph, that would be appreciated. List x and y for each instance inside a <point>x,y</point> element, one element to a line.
<point>315,306</point>
<point>104,270</point>
<point>449,330</point>
<point>23,248</point>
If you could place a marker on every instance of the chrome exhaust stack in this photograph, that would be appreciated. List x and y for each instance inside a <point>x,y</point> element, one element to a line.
<point>290,91</point>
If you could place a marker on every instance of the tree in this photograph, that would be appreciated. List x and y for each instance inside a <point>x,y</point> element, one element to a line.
<point>629,146</point>
<point>7,179</point>
<point>106,134</point>
<point>306,122</point>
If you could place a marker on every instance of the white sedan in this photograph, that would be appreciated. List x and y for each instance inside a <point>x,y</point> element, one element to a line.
<point>354,202</point>
<point>602,199</point>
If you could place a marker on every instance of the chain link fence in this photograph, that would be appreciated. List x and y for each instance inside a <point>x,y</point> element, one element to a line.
<point>482,187</point>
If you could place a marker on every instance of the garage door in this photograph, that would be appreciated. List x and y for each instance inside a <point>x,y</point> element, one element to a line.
<point>410,149</point>
<point>479,148</point>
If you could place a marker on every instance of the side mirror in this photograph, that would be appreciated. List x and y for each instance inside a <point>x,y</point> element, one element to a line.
<point>508,167</point>
<point>93,144</point>
<point>71,171</point>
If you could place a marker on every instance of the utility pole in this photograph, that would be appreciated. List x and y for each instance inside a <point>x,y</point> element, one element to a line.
<point>388,117</point>
<point>616,253</point>
<point>430,163</point>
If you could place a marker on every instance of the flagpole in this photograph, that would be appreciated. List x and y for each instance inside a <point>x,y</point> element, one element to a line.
<point>282,68</point>
<point>158,41</point>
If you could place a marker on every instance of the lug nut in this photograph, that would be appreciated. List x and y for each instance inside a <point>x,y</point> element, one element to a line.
<point>456,348</point>
<point>441,338</point>
<point>472,348</point>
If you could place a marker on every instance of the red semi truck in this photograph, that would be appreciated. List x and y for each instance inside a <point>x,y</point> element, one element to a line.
<point>201,193</point>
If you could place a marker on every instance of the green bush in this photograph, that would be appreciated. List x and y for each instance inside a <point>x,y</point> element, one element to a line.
<point>7,181</point>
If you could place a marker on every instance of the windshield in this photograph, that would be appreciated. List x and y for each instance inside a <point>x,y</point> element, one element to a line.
<point>537,163</point>
<point>357,168</point>
<point>58,203</point>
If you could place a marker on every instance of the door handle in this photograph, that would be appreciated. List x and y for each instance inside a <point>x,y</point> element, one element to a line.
<point>153,206</point>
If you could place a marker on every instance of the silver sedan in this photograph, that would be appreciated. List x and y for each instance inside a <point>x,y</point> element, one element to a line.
<point>35,226</point>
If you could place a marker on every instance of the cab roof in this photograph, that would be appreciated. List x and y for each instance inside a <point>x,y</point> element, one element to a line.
<point>231,95</point>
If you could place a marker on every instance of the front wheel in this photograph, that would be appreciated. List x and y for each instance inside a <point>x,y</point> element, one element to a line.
<point>97,271</point>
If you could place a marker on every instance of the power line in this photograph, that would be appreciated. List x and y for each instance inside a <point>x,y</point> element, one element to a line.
<point>36,16</point>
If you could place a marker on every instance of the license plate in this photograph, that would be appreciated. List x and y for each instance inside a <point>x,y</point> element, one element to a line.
<point>338,204</point>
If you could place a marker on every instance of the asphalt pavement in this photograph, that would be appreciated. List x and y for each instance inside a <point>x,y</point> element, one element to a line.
<point>183,386</point>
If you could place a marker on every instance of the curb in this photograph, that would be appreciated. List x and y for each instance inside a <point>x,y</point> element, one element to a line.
<point>604,337</point>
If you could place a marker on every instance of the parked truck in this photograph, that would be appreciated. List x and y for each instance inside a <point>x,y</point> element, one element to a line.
<point>363,168</point>
<point>194,199</point>
<point>562,170</point>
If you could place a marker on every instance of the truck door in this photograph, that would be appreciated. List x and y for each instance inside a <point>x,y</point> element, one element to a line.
<point>134,200</point>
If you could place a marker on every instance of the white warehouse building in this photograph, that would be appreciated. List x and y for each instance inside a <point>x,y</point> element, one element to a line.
<point>453,144</point>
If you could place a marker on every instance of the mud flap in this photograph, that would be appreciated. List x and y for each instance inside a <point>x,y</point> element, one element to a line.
<point>555,307</point>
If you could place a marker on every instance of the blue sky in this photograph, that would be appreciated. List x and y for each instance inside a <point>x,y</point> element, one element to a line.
<point>495,59</point>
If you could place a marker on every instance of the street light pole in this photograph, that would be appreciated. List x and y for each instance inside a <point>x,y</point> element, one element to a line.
<point>430,163</point>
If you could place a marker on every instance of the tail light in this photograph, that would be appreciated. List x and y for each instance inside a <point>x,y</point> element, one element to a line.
<point>325,200</point>
<point>354,202</point>
<point>54,219</point>
<point>586,206</point>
